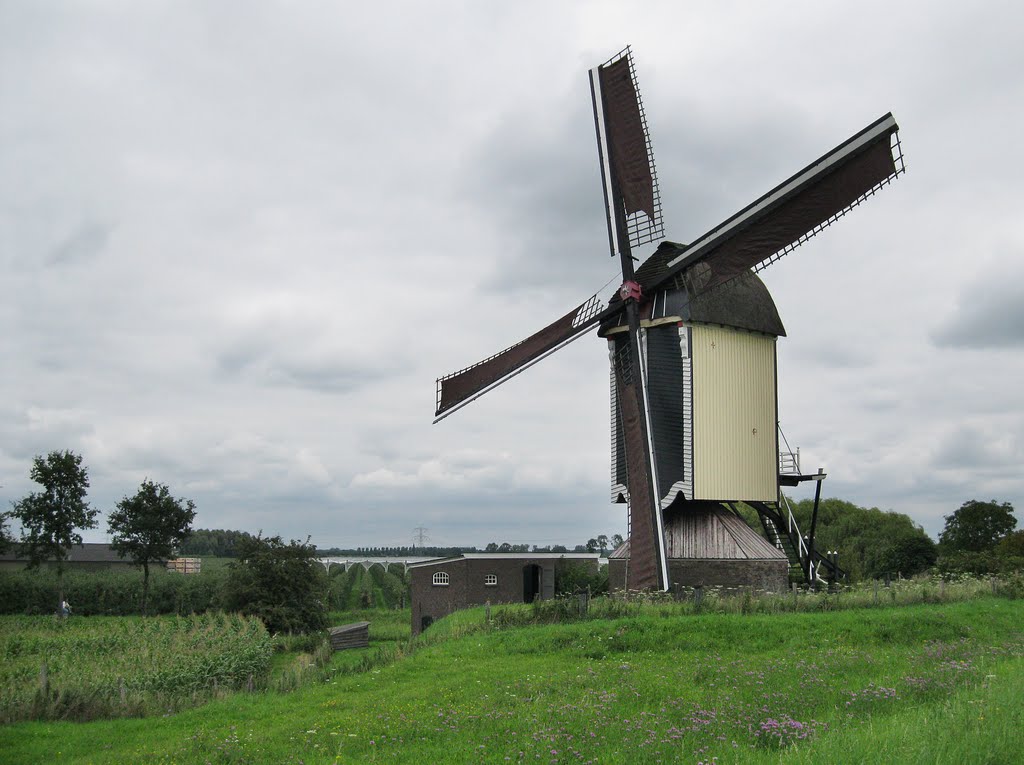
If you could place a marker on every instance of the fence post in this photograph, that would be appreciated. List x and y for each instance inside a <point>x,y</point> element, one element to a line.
<point>994,586</point>
<point>487,612</point>
<point>248,684</point>
<point>876,592</point>
<point>698,595</point>
<point>793,587</point>
<point>44,681</point>
<point>942,589</point>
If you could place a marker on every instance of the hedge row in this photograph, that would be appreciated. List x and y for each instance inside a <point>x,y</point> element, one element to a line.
<point>110,593</point>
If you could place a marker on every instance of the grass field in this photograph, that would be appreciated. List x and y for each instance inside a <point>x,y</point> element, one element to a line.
<point>917,684</point>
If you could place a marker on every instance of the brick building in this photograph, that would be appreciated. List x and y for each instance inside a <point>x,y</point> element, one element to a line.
<point>442,586</point>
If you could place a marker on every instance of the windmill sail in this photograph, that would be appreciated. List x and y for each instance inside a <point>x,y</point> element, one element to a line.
<point>629,178</point>
<point>785,217</point>
<point>458,389</point>
<point>633,210</point>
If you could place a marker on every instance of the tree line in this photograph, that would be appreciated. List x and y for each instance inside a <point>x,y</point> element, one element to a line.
<point>145,527</point>
<point>977,538</point>
<point>601,543</point>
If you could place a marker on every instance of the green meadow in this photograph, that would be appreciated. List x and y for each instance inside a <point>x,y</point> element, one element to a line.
<point>929,683</point>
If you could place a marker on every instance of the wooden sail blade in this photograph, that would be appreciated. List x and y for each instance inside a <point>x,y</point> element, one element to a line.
<point>786,216</point>
<point>456,390</point>
<point>645,567</point>
<point>630,181</point>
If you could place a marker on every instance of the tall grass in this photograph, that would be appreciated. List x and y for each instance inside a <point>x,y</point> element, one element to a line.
<point>83,669</point>
<point>722,600</point>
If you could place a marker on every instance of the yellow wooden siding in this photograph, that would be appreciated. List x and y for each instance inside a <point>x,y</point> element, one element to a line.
<point>735,453</point>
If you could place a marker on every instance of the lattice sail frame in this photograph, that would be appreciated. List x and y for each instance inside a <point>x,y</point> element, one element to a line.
<point>689,267</point>
<point>641,228</point>
<point>897,154</point>
<point>473,381</point>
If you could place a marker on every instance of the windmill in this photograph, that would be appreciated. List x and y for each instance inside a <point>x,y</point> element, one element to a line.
<point>691,335</point>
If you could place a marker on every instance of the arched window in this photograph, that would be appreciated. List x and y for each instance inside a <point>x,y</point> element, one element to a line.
<point>491,580</point>
<point>441,579</point>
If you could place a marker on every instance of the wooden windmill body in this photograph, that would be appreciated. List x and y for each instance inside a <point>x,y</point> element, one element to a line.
<point>691,336</point>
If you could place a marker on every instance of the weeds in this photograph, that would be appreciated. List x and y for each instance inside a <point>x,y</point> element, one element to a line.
<point>82,669</point>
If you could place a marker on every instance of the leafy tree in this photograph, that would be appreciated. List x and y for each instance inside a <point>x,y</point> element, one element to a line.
<point>908,555</point>
<point>149,526</point>
<point>977,526</point>
<point>5,538</point>
<point>617,540</point>
<point>220,543</point>
<point>283,584</point>
<point>1012,545</point>
<point>871,542</point>
<point>50,518</point>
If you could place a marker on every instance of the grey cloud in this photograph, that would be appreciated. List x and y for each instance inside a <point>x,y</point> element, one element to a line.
<point>989,315</point>
<point>980,450</point>
<point>84,243</point>
<point>276,367</point>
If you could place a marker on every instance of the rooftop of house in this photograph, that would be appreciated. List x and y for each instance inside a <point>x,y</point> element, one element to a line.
<point>87,552</point>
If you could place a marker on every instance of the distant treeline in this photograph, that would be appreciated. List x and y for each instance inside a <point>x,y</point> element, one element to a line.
<point>393,552</point>
<point>217,543</point>
<point>223,543</point>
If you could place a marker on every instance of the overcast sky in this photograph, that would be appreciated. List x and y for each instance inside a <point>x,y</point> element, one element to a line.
<point>239,242</point>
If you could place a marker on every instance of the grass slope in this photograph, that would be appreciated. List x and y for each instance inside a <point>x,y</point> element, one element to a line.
<point>897,685</point>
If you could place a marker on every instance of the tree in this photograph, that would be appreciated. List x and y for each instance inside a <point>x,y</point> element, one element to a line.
<point>50,518</point>
<point>617,541</point>
<point>908,555</point>
<point>977,526</point>
<point>5,538</point>
<point>1012,545</point>
<point>149,526</point>
<point>282,584</point>
<point>871,542</point>
<point>219,543</point>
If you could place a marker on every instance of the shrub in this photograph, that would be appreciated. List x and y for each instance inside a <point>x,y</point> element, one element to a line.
<point>282,584</point>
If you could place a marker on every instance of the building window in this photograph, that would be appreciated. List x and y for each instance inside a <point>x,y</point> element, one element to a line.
<point>491,580</point>
<point>441,579</point>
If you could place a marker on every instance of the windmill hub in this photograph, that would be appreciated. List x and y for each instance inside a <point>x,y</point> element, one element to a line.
<point>630,290</point>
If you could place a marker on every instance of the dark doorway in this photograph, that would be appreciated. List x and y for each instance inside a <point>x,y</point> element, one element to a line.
<point>425,622</point>
<point>531,582</point>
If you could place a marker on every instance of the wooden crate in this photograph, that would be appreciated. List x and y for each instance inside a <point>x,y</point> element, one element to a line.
<point>185,565</point>
<point>355,635</point>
